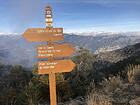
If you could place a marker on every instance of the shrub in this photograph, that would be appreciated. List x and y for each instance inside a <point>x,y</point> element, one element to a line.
<point>79,78</point>
<point>110,85</point>
<point>32,95</point>
<point>133,73</point>
<point>98,99</point>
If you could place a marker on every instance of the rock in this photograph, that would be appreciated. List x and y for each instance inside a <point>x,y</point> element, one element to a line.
<point>135,101</point>
<point>77,101</point>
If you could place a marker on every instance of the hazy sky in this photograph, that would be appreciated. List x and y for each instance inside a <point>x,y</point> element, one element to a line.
<point>72,15</point>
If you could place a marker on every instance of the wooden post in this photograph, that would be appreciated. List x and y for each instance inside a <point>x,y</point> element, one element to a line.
<point>52,83</point>
<point>52,79</point>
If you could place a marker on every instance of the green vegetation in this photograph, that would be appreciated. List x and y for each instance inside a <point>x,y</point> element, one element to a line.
<point>116,84</point>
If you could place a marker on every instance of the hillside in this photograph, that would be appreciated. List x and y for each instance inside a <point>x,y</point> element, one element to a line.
<point>123,56</point>
<point>120,54</point>
<point>117,61</point>
<point>102,75</point>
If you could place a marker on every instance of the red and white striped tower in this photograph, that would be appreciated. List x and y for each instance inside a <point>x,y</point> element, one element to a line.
<point>49,17</point>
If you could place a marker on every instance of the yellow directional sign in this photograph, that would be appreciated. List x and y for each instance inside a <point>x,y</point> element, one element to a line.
<point>43,34</point>
<point>55,66</point>
<point>55,50</point>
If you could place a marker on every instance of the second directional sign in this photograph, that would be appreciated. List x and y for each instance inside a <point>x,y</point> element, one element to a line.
<point>55,50</point>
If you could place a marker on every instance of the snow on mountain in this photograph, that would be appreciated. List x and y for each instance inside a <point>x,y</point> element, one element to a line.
<point>102,33</point>
<point>14,49</point>
<point>9,34</point>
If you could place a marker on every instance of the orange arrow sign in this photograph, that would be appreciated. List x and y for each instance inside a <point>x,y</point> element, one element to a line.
<point>43,34</point>
<point>55,66</point>
<point>55,50</point>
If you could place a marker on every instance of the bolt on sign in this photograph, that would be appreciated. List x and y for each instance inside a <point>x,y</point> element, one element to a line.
<point>51,51</point>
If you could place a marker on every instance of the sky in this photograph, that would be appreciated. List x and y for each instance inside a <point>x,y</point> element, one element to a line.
<point>73,15</point>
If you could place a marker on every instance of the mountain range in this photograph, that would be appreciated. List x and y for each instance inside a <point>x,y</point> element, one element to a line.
<point>14,49</point>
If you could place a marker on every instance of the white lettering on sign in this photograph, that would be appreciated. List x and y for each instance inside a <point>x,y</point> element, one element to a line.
<point>48,51</point>
<point>42,55</point>
<point>48,65</point>
<point>55,30</point>
<point>50,47</point>
<point>45,47</point>
<point>57,34</point>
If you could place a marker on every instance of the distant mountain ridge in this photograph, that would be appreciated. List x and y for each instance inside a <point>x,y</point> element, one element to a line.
<point>120,54</point>
<point>16,50</point>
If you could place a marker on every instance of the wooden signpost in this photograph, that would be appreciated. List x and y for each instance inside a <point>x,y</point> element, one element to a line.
<point>51,51</point>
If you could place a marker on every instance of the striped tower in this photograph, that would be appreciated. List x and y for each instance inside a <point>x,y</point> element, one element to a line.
<point>48,16</point>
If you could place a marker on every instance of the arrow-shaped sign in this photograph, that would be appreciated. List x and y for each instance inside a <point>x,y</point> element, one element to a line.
<point>43,34</point>
<point>55,50</point>
<point>55,66</point>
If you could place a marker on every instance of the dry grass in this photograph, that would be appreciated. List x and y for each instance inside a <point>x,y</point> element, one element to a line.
<point>133,73</point>
<point>110,85</point>
<point>98,99</point>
